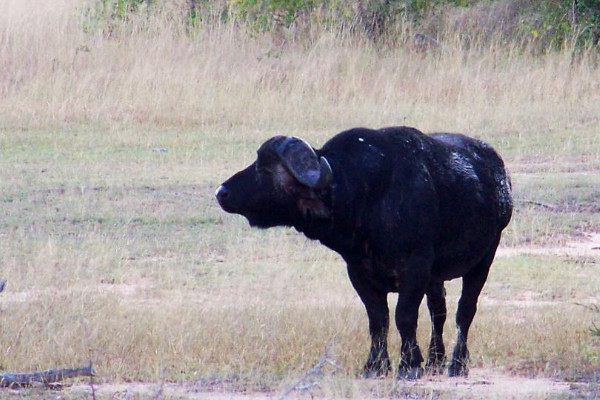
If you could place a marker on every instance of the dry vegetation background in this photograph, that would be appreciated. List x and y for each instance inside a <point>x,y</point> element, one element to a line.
<point>113,141</point>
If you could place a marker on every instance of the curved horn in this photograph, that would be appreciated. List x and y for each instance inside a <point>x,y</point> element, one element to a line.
<point>326,174</point>
<point>302,162</point>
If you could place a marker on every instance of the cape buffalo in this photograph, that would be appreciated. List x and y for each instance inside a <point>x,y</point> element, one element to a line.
<point>406,211</point>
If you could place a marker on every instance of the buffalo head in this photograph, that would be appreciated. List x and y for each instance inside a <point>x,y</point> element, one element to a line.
<point>283,186</point>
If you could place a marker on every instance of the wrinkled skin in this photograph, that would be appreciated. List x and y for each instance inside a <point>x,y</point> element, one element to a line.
<point>405,210</point>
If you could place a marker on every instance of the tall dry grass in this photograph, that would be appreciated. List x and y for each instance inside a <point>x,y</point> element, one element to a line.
<point>150,71</point>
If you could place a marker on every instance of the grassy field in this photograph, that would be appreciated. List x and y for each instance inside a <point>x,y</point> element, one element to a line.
<point>115,250</point>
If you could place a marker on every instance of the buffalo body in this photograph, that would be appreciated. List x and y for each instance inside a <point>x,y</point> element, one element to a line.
<point>406,211</point>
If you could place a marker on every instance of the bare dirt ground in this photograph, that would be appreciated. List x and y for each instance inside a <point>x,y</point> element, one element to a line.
<point>589,245</point>
<point>494,384</point>
<point>481,384</point>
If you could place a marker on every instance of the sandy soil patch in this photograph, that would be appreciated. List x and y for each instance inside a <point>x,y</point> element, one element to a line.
<point>483,383</point>
<point>588,245</point>
<point>494,384</point>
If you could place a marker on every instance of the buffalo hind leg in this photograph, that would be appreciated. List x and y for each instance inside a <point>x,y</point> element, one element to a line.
<point>436,303</point>
<point>406,320</point>
<point>467,306</point>
<point>378,360</point>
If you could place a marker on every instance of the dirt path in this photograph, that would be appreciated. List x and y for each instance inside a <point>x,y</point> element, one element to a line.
<point>586,246</point>
<point>493,384</point>
<point>482,383</point>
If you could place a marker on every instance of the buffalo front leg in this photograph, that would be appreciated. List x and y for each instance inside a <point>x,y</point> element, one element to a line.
<point>378,360</point>
<point>436,303</point>
<point>410,294</point>
<point>467,307</point>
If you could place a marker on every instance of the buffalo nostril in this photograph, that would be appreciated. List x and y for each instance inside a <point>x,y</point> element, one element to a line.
<point>222,193</point>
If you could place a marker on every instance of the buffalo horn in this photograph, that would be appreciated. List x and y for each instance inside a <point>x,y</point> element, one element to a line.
<point>326,173</point>
<point>303,163</point>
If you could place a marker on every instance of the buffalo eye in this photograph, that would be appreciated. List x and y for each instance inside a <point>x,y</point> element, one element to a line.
<point>261,169</point>
<point>263,164</point>
<point>262,172</point>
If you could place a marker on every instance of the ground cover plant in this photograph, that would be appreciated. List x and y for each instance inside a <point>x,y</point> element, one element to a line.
<point>114,250</point>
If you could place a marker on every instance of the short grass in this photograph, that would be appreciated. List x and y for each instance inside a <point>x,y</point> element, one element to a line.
<point>114,249</point>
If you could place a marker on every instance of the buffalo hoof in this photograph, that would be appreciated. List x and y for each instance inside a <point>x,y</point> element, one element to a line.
<point>436,364</point>
<point>378,370</point>
<point>458,368</point>
<point>435,368</point>
<point>410,373</point>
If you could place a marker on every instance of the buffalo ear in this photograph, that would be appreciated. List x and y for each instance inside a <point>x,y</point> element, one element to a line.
<point>303,163</point>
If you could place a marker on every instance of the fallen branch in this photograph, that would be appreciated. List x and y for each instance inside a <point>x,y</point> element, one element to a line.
<point>9,379</point>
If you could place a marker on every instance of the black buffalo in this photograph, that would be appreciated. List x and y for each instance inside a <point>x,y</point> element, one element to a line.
<point>406,211</point>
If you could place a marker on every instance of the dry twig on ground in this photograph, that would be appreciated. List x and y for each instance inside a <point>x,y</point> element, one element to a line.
<point>10,379</point>
<point>316,369</point>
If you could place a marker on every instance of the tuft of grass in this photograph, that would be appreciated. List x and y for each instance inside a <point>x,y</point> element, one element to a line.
<point>594,329</point>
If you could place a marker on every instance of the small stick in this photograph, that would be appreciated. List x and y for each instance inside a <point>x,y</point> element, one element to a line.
<point>315,370</point>
<point>536,203</point>
<point>2,283</point>
<point>9,379</point>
